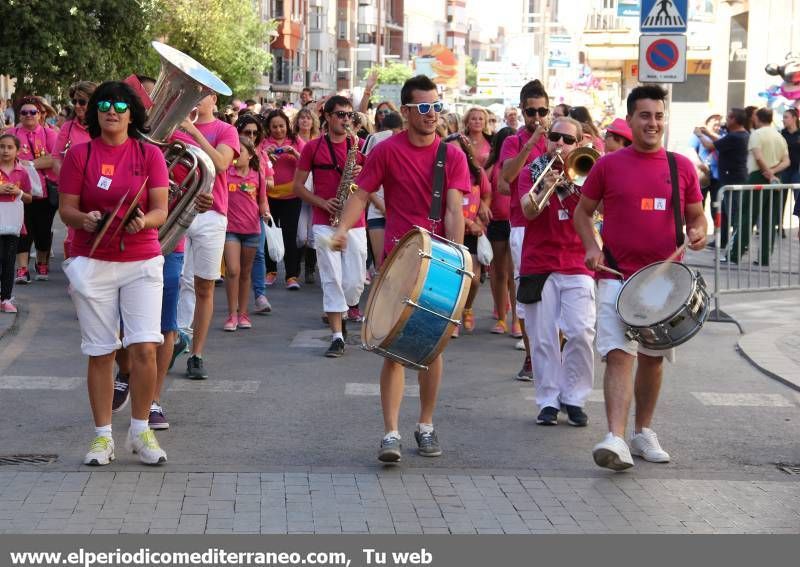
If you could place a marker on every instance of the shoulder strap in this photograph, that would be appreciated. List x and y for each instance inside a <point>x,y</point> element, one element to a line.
<point>676,199</point>
<point>88,153</point>
<point>438,182</point>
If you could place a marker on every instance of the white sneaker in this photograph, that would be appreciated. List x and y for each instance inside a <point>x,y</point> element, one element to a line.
<point>646,446</point>
<point>520,345</point>
<point>146,445</point>
<point>101,452</point>
<point>262,305</point>
<point>612,453</point>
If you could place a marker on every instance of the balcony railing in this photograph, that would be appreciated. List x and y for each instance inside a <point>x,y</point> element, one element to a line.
<point>604,21</point>
<point>367,33</point>
<point>281,73</point>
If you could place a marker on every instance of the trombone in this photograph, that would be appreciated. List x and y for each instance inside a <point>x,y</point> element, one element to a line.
<point>574,169</point>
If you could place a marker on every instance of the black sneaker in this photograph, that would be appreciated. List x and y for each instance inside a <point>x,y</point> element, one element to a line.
<point>194,368</point>
<point>548,416</point>
<point>576,416</point>
<point>391,450</point>
<point>336,349</point>
<point>121,392</point>
<point>428,444</point>
<point>181,346</point>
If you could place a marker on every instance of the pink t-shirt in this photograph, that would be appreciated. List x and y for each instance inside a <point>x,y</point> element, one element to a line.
<point>216,132</point>
<point>406,173</point>
<point>316,158</point>
<point>638,222</point>
<point>551,243</point>
<point>481,151</point>
<point>500,203</point>
<point>18,177</point>
<point>72,133</point>
<point>34,144</point>
<point>511,147</point>
<point>284,166</point>
<point>110,173</point>
<point>244,193</point>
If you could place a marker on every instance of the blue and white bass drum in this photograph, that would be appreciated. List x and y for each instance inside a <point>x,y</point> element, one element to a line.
<point>417,300</point>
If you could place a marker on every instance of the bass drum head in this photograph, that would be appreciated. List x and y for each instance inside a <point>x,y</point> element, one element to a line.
<point>398,280</point>
<point>655,293</point>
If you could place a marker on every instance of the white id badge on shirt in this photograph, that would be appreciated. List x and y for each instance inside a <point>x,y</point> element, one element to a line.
<point>660,204</point>
<point>563,214</point>
<point>465,201</point>
<point>104,183</point>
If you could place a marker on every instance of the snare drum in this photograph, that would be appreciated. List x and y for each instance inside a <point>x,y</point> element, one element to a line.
<point>416,302</point>
<point>663,305</point>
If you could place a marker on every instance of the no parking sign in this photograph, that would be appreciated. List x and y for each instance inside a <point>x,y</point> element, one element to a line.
<point>662,58</point>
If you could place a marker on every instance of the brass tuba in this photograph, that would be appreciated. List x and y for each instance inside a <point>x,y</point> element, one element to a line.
<point>181,84</point>
<point>574,169</point>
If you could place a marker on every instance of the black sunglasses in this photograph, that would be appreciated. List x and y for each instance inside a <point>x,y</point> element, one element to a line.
<point>531,112</point>
<point>79,102</point>
<point>342,114</point>
<point>556,136</point>
<point>28,112</point>
<point>251,133</point>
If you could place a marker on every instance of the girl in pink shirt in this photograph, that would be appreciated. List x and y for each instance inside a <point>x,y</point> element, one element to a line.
<point>476,127</point>
<point>15,187</point>
<point>475,206</point>
<point>247,205</point>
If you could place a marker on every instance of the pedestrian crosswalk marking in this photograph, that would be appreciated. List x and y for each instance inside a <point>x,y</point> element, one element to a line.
<point>742,399</point>
<point>595,396</point>
<point>41,382</point>
<point>311,338</point>
<point>227,386</point>
<point>663,14</point>
<point>374,389</point>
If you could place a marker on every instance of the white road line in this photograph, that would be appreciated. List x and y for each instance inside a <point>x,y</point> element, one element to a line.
<point>22,342</point>
<point>312,338</point>
<point>742,399</point>
<point>228,386</point>
<point>371,389</point>
<point>41,382</point>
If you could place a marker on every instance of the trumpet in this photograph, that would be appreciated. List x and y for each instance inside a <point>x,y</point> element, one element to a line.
<point>574,169</point>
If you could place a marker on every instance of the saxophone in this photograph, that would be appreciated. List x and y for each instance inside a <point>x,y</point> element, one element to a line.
<point>346,185</point>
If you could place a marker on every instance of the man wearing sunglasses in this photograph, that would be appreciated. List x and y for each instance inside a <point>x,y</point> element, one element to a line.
<point>635,186</point>
<point>205,238</point>
<point>558,287</point>
<point>517,152</point>
<point>404,166</point>
<point>342,273</point>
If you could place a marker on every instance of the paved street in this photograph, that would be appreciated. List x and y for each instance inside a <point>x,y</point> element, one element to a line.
<point>281,439</point>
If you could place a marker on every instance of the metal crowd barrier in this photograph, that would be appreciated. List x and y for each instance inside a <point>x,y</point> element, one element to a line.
<point>744,263</point>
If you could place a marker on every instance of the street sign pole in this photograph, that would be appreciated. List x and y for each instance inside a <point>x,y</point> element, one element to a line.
<point>667,105</point>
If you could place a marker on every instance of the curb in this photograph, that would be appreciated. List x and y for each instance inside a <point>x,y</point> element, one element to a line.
<point>761,351</point>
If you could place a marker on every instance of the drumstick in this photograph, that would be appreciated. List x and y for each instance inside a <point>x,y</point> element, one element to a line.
<point>672,257</point>
<point>610,270</point>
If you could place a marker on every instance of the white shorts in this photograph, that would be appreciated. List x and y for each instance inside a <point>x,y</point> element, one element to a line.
<point>515,241</point>
<point>611,329</point>
<point>205,243</point>
<point>341,274</point>
<point>103,291</point>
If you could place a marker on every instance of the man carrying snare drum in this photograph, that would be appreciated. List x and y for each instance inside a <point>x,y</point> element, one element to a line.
<point>404,166</point>
<point>635,186</point>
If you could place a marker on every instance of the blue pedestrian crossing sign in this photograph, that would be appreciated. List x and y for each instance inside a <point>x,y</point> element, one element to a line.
<point>662,16</point>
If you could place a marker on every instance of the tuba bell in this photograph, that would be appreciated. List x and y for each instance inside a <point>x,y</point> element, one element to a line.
<point>574,169</point>
<point>182,83</point>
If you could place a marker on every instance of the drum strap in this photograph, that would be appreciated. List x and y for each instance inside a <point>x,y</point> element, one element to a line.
<point>438,182</point>
<point>676,199</point>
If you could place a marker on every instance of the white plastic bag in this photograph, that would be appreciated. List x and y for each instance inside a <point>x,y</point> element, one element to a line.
<point>304,224</point>
<point>274,240</point>
<point>485,254</point>
<point>33,177</point>
<point>11,216</point>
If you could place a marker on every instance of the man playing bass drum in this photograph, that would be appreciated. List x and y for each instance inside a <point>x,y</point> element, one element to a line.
<point>404,165</point>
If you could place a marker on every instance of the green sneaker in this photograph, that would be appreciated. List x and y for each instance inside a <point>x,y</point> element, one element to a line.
<point>101,452</point>
<point>146,445</point>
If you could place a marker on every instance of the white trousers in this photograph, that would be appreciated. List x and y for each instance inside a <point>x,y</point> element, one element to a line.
<point>515,242</point>
<point>205,243</point>
<point>103,291</point>
<point>342,274</point>
<point>562,377</point>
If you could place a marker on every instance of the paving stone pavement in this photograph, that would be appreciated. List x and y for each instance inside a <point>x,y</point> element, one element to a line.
<point>323,503</point>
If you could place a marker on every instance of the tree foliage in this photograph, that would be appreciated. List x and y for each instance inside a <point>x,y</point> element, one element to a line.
<point>391,74</point>
<point>470,73</point>
<point>49,44</point>
<point>227,36</point>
